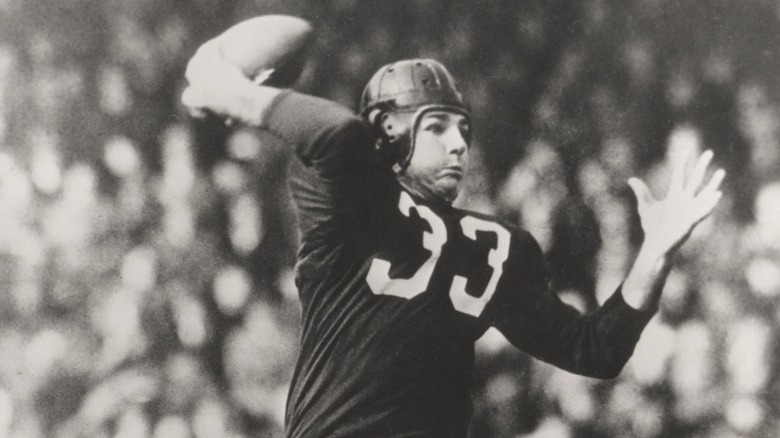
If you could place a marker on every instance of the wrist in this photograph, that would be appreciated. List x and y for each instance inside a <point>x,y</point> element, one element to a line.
<point>252,107</point>
<point>644,283</point>
<point>252,101</point>
<point>652,260</point>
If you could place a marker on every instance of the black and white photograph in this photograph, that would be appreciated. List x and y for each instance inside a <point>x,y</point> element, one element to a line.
<point>389,219</point>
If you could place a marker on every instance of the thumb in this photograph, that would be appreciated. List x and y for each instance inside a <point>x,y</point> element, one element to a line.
<point>642,193</point>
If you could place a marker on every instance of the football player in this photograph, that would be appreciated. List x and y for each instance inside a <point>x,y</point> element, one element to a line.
<point>395,283</point>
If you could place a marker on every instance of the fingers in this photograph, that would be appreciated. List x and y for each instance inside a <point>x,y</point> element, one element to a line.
<point>642,193</point>
<point>190,98</point>
<point>714,183</point>
<point>678,171</point>
<point>709,196</point>
<point>263,76</point>
<point>697,176</point>
<point>203,62</point>
<point>200,72</point>
<point>706,205</point>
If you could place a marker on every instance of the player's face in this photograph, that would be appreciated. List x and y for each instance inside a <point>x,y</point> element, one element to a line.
<point>440,156</point>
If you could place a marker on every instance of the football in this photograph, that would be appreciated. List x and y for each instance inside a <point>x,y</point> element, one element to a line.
<point>270,48</point>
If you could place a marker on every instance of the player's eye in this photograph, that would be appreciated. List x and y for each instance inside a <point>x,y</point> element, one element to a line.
<point>465,129</point>
<point>434,127</point>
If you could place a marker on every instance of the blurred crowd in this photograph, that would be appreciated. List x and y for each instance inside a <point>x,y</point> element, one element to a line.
<point>146,259</point>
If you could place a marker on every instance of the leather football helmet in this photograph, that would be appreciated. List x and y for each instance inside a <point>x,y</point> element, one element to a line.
<point>398,95</point>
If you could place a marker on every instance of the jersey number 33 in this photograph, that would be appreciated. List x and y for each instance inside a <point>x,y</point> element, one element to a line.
<point>378,277</point>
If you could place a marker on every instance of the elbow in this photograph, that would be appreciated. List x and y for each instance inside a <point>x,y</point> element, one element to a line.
<point>601,373</point>
<point>596,369</point>
<point>608,369</point>
<point>608,373</point>
<point>603,366</point>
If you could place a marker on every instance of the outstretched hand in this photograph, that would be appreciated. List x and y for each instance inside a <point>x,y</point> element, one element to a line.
<point>668,222</point>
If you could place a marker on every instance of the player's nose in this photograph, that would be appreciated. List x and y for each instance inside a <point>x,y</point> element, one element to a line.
<point>454,142</point>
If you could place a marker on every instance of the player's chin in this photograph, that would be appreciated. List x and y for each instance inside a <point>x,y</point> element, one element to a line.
<point>448,187</point>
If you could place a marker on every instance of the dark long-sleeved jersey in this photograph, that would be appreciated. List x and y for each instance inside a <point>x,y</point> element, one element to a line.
<point>395,290</point>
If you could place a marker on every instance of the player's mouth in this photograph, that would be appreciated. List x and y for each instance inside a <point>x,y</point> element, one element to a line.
<point>452,172</point>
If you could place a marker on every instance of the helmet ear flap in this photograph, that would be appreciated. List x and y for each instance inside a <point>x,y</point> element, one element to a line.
<point>392,131</point>
<point>375,117</point>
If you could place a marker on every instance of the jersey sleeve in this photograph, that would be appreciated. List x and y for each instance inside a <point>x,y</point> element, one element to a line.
<point>337,181</point>
<point>324,135</point>
<point>535,320</point>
